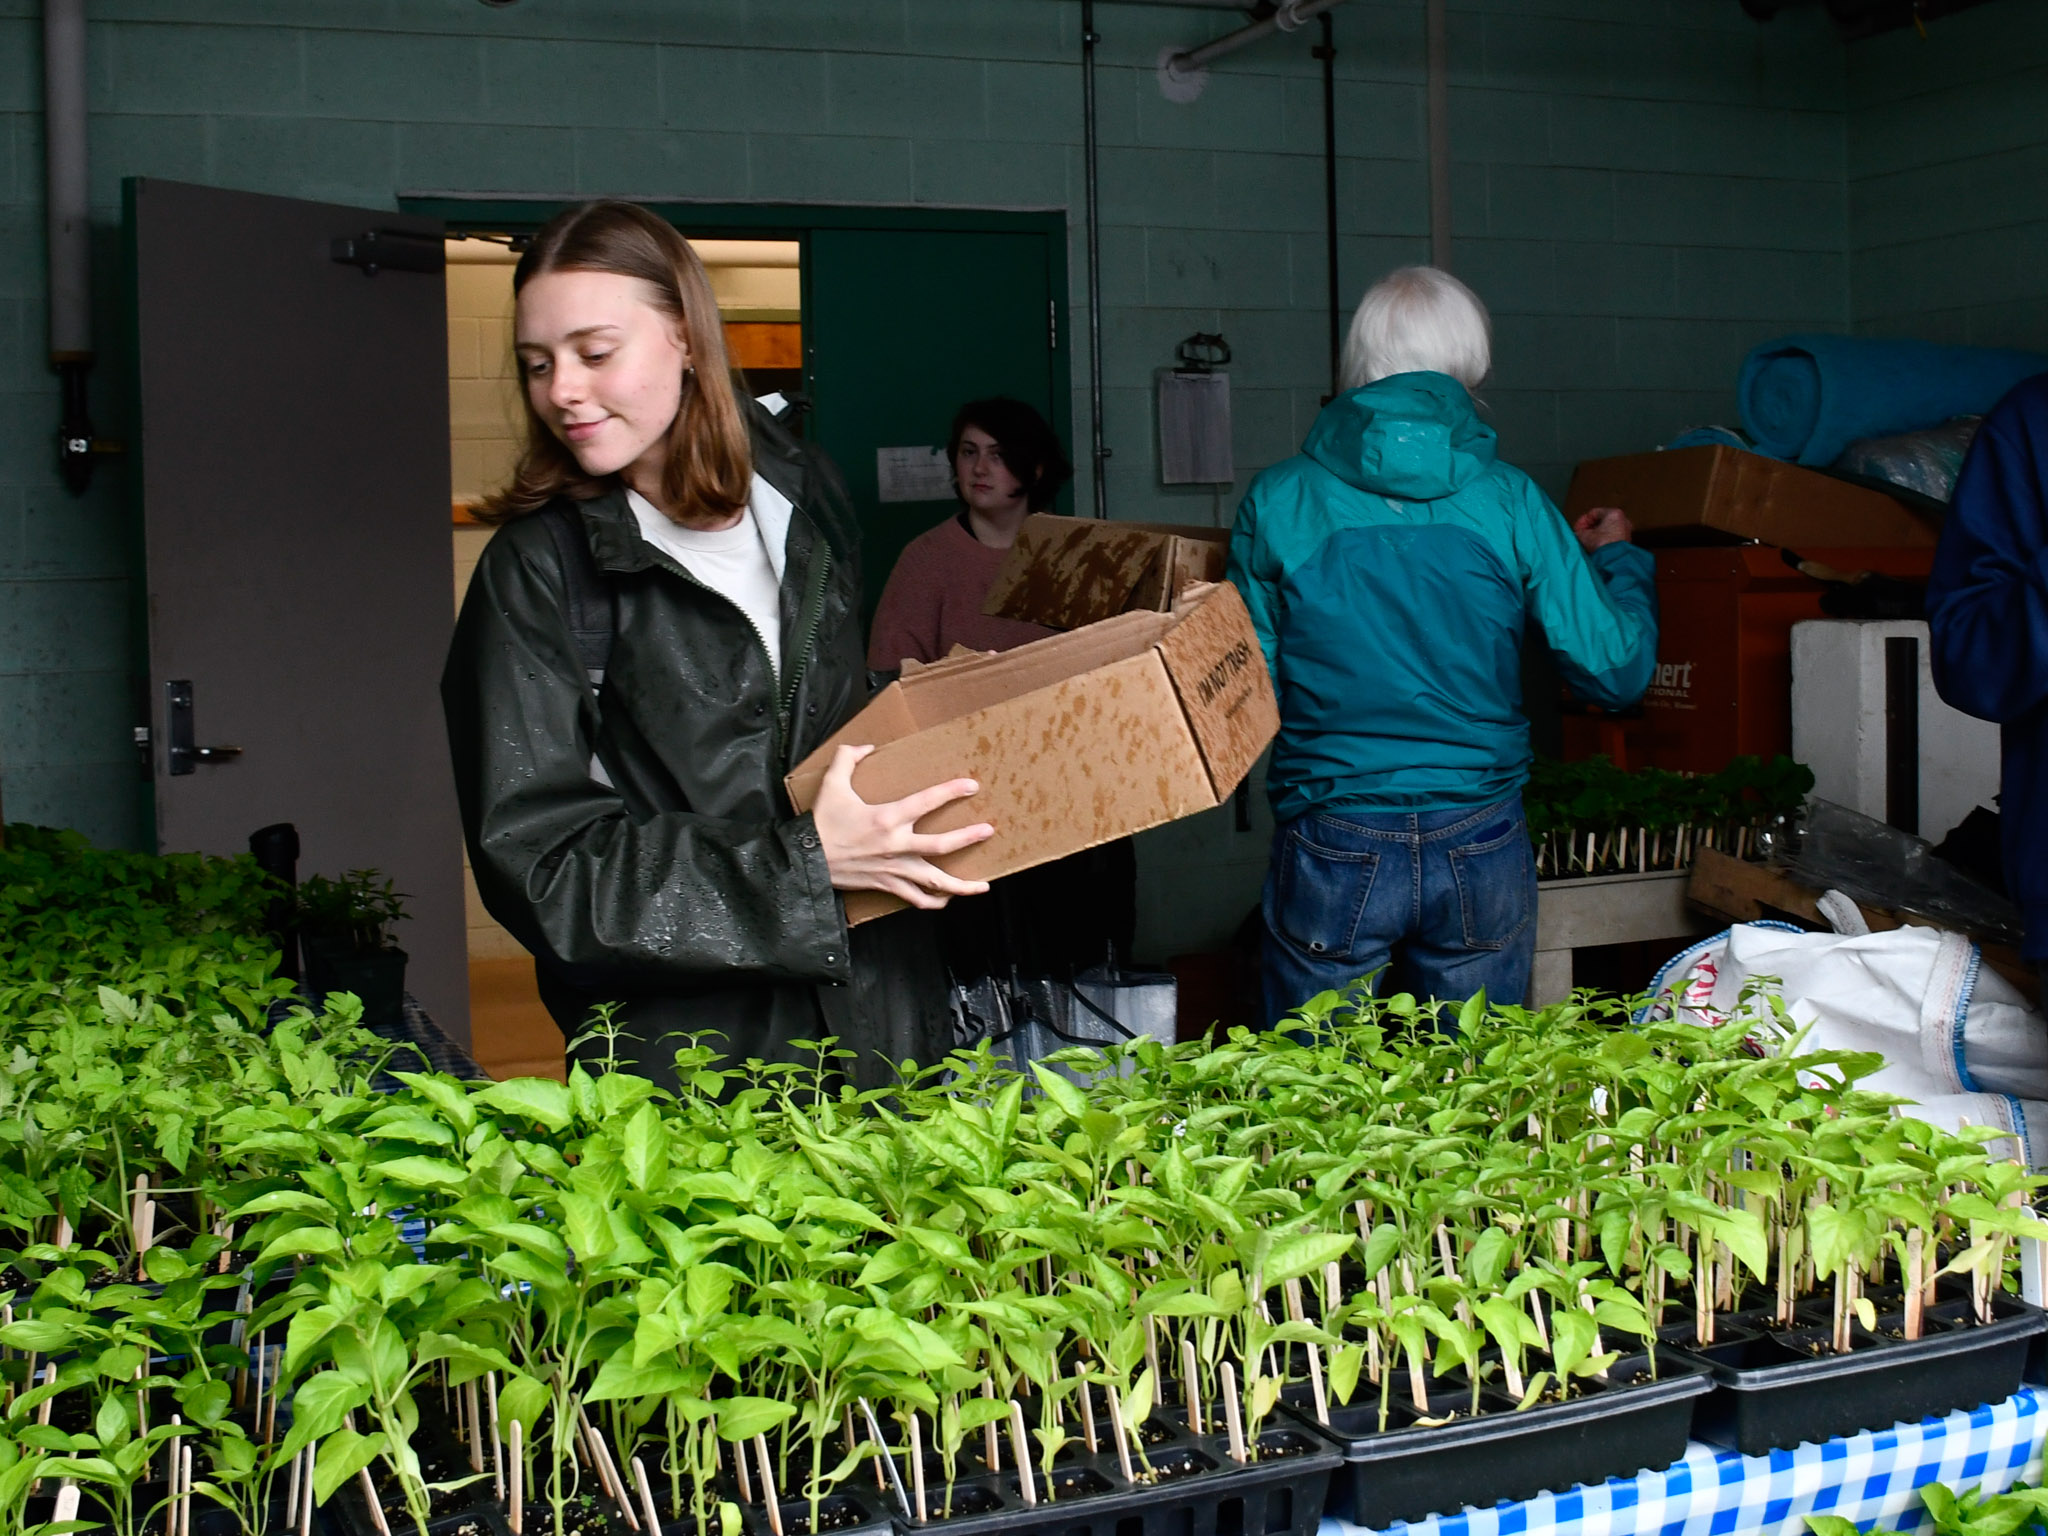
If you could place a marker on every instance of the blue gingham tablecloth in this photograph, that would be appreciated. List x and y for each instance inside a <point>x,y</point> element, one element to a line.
<point>1869,1478</point>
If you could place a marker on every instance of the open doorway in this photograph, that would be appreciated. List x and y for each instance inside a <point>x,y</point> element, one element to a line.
<point>759,284</point>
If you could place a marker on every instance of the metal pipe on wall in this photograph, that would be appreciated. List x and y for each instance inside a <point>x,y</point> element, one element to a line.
<point>1098,453</point>
<point>67,199</point>
<point>1183,68</point>
<point>1439,50</point>
<point>1327,52</point>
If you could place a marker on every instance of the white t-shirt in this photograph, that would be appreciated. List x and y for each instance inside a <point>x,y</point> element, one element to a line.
<point>735,562</point>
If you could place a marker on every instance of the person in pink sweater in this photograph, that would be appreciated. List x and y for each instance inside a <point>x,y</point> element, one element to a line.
<point>1007,464</point>
<point>1060,917</point>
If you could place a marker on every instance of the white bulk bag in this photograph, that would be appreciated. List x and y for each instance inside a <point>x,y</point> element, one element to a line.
<point>1956,1037</point>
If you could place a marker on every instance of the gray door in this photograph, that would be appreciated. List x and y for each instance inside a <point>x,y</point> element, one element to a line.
<point>294,486</point>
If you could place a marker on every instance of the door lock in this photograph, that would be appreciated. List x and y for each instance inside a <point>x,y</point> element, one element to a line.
<point>184,756</point>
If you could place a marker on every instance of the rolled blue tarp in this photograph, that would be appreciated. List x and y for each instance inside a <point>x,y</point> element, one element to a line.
<point>1809,397</point>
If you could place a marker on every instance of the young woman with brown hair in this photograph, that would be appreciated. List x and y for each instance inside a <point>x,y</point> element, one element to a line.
<point>667,620</point>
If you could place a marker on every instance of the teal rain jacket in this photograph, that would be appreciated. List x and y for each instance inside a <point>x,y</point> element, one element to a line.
<point>1390,568</point>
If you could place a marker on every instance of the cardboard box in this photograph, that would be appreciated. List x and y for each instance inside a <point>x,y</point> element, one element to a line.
<point>1069,571</point>
<point>1075,739</point>
<point>1719,489</point>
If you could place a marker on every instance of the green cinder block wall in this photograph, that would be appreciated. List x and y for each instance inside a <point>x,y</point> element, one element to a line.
<point>1642,189</point>
<point>1948,162</point>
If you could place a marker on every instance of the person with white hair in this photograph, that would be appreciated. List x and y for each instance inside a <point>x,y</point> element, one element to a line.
<point>1392,568</point>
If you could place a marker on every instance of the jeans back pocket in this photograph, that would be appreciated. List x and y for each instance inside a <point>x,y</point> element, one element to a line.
<point>1496,884</point>
<point>1320,892</point>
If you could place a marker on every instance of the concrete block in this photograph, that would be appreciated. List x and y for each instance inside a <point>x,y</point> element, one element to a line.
<point>1846,726</point>
<point>1549,202</point>
<point>1382,197</point>
<point>1492,124</point>
<point>991,174</point>
<point>893,97</point>
<point>1619,133</point>
<point>101,800</point>
<point>1379,119</point>
<point>13,545</point>
<point>838,28</point>
<point>1237,108</point>
<point>1230,269</point>
<point>480,157</point>
<point>1598,423</point>
<point>1549,54</point>
<point>86,537</point>
<point>561,83</point>
<point>1043,101</point>
<point>1745,283</point>
<point>21,53</point>
<point>828,168</point>
<point>660,164</point>
<point>320,158</point>
<point>394,77</point>
<point>1729,210</point>
<point>206,69</point>
<point>1556,351</point>
<point>1526,420</point>
<point>1267,191</point>
<point>174,148</point>
<point>1513,277</point>
<point>1142,185</point>
<point>756,90</point>
<point>1684,354</point>
<point>64,624</point>
<point>1125,266</point>
<point>988,29</point>
<point>1604,277</point>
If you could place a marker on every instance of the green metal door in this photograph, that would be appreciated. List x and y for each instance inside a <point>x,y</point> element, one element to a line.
<point>903,326</point>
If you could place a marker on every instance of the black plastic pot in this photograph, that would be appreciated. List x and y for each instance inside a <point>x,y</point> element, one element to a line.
<point>1208,1495</point>
<point>376,976</point>
<point>1413,1470</point>
<point>1773,1392</point>
<point>845,1513</point>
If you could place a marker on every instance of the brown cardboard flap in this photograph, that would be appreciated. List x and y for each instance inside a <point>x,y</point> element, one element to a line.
<point>1219,671</point>
<point>1067,572</point>
<point>1747,495</point>
<point>1061,768</point>
<point>961,683</point>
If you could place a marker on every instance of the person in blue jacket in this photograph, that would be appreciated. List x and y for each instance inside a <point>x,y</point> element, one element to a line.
<point>1987,620</point>
<point>1391,568</point>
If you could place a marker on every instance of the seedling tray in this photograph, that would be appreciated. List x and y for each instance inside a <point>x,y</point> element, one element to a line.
<point>1770,1393</point>
<point>1211,1495</point>
<point>1412,1471</point>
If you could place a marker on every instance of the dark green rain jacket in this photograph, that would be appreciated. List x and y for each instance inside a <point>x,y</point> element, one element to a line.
<point>685,888</point>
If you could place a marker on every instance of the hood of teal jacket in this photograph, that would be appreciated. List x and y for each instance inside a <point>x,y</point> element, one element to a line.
<point>1415,436</point>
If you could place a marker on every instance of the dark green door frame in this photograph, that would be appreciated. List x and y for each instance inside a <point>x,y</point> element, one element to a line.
<point>795,221</point>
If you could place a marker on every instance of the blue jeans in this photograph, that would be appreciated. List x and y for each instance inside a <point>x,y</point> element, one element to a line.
<point>1447,898</point>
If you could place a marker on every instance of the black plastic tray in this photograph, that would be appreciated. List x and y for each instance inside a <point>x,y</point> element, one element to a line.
<point>1769,1395</point>
<point>1413,1471</point>
<point>1279,1496</point>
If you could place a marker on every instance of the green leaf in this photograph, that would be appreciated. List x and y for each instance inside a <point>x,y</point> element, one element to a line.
<point>1061,1090</point>
<point>1304,1253</point>
<point>644,1148</point>
<point>342,1455</point>
<point>524,1398</point>
<point>742,1418</point>
<point>539,1099</point>
<point>619,1377</point>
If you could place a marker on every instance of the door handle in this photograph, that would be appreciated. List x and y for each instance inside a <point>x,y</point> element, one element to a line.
<point>184,756</point>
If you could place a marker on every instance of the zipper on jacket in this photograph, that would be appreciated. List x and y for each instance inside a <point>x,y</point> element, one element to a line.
<point>814,615</point>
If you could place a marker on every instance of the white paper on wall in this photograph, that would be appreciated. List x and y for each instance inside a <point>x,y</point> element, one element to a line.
<point>913,474</point>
